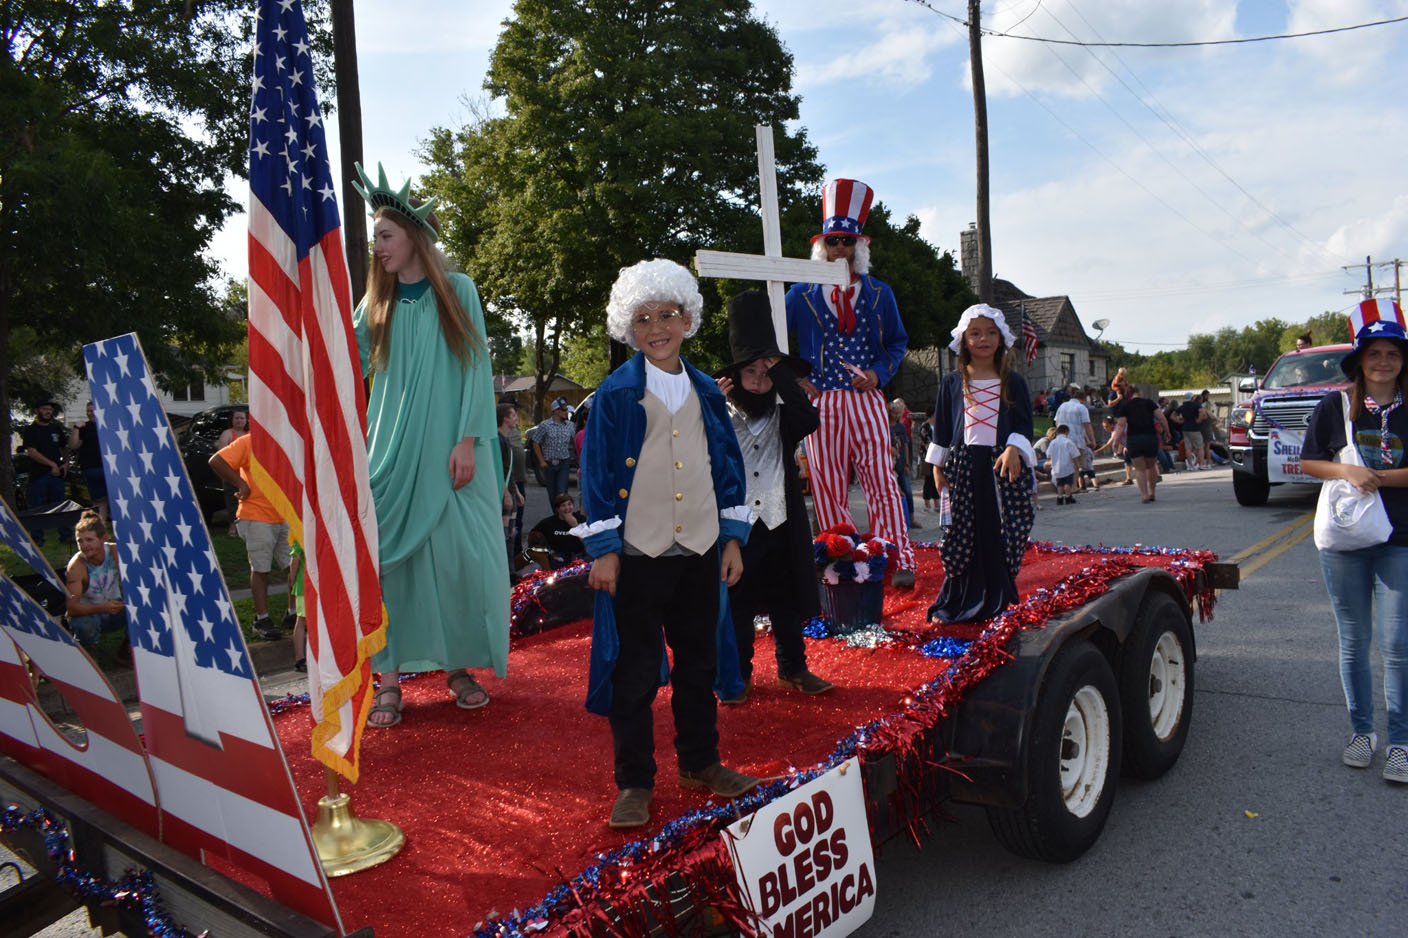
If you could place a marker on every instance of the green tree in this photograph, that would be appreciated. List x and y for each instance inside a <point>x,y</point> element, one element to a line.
<point>120,124</point>
<point>627,134</point>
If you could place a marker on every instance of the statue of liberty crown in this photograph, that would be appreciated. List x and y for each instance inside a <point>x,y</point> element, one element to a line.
<point>382,196</point>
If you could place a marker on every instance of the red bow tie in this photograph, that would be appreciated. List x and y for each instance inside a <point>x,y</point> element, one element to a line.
<point>845,313</point>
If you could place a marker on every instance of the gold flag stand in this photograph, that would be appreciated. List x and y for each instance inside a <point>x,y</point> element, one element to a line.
<point>349,844</point>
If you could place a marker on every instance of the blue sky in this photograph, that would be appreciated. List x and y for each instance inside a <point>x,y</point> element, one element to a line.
<point>1169,191</point>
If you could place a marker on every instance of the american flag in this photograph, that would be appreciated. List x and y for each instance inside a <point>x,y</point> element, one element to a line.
<point>111,770</point>
<point>222,783</point>
<point>307,406</point>
<point>1028,334</point>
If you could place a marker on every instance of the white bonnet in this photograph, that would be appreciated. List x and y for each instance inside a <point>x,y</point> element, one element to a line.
<point>972,313</point>
<point>651,282</point>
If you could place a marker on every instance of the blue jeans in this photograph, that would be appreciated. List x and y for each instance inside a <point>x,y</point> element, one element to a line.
<point>87,628</point>
<point>1165,459</point>
<point>557,477</point>
<point>45,489</point>
<point>1369,587</point>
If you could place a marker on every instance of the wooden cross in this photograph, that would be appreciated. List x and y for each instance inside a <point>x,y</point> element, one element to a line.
<point>770,265</point>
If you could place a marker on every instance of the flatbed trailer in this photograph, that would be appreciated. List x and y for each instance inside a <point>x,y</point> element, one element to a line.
<point>1102,688</point>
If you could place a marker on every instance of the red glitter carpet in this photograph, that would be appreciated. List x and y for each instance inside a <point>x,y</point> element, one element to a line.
<point>500,805</point>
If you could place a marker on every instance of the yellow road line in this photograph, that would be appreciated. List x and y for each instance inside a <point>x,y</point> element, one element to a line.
<point>1266,542</point>
<point>1273,553</point>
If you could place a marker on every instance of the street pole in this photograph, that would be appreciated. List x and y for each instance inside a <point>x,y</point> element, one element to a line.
<point>980,129</point>
<point>349,136</point>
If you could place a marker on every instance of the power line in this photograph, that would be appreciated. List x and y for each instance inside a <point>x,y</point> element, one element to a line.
<point>1163,45</point>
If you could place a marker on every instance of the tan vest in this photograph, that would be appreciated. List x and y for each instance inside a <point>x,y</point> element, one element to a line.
<point>672,497</point>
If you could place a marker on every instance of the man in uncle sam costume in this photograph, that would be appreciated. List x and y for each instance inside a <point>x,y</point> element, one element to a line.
<point>855,341</point>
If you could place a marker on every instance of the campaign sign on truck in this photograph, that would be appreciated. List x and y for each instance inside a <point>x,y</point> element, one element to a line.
<point>804,862</point>
<point>1283,457</point>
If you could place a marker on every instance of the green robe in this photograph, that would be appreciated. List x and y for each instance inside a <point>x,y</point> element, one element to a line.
<point>444,573</point>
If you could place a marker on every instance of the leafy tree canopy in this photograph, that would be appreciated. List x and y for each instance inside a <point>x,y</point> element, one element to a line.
<point>627,134</point>
<point>1211,357</point>
<point>121,124</point>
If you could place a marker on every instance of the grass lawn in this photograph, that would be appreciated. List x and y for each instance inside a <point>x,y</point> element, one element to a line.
<point>1040,424</point>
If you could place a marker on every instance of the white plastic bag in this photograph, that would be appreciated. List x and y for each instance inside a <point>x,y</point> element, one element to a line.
<point>1346,518</point>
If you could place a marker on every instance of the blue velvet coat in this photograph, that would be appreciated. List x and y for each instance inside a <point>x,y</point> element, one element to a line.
<point>615,435</point>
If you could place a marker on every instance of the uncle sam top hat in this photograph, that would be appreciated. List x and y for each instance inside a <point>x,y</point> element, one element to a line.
<point>845,204</point>
<point>1374,319</point>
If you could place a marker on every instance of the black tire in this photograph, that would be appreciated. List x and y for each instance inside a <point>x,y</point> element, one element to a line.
<point>1250,490</point>
<point>1070,784</point>
<point>1156,687</point>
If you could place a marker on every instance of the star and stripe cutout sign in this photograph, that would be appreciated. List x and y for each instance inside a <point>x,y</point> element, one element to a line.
<point>222,782</point>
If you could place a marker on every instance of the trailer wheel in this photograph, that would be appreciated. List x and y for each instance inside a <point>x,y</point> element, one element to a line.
<point>1073,764</point>
<point>1156,687</point>
<point>1250,490</point>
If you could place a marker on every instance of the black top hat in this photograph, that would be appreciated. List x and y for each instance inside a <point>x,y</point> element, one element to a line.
<point>751,335</point>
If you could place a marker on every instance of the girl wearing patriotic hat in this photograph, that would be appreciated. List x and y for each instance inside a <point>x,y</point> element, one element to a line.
<point>433,455</point>
<point>1368,587</point>
<point>982,457</point>
<point>853,338</point>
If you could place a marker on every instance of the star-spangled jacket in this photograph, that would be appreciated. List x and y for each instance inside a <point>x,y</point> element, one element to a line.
<point>615,435</point>
<point>876,313</point>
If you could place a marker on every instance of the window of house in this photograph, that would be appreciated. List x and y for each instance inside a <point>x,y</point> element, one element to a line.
<point>1068,365</point>
<point>195,391</point>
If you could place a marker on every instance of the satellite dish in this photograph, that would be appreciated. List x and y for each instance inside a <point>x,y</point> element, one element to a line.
<point>1102,325</point>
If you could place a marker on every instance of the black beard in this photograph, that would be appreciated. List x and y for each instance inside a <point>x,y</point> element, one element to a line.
<point>754,405</point>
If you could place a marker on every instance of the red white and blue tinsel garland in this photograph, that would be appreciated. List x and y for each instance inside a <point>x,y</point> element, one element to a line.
<point>688,848</point>
<point>135,891</point>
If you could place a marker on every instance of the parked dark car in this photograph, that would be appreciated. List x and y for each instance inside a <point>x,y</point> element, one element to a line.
<point>199,441</point>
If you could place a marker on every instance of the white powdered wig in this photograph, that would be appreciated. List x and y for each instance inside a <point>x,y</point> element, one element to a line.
<point>972,313</point>
<point>860,260</point>
<point>657,281</point>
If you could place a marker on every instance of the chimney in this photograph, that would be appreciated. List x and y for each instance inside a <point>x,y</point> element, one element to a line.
<point>968,254</point>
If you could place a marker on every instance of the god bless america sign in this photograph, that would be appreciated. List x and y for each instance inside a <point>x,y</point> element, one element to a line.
<point>804,862</point>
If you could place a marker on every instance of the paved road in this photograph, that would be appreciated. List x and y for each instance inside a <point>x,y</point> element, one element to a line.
<point>1181,856</point>
<point>1323,854</point>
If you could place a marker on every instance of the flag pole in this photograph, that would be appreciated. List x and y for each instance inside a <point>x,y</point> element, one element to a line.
<point>346,843</point>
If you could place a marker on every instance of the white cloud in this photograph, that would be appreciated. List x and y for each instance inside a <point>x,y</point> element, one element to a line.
<point>1348,57</point>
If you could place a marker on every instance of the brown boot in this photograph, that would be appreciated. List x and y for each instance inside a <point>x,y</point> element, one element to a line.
<point>719,779</point>
<point>632,809</point>
<point>805,681</point>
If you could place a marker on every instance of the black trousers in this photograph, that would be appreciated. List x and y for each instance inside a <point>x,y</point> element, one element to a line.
<point>767,586</point>
<point>681,596</point>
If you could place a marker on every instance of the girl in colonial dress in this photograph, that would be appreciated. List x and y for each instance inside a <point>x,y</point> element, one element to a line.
<point>433,458</point>
<point>981,457</point>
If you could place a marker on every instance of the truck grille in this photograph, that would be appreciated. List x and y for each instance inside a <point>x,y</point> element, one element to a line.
<point>1292,413</point>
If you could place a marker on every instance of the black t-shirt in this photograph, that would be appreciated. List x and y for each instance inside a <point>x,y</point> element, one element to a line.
<point>89,455</point>
<point>554,531</point>
<point>1324,438</point>
<point>48,438</point>
<point>1189,411</point>
<point>1138,413</point>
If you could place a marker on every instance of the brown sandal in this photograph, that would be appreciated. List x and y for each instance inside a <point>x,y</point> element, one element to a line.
<point>469,696</point>
<point>378,706</point>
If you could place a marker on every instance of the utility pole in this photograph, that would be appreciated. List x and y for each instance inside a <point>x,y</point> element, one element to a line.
<point>349,137</point>
<point>1369,291</point>
<point>980,130</point>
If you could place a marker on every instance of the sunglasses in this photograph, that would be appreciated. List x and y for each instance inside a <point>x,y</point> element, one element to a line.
<point>846,240</point>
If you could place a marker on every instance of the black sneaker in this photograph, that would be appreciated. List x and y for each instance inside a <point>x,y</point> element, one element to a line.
<point>290,620</point>
<point>264,627</point>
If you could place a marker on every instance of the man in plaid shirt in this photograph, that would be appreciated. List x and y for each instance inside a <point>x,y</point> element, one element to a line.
<point>552,444</point>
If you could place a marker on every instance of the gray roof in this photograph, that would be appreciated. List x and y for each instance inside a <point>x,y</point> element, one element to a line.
<point>1054,317</point>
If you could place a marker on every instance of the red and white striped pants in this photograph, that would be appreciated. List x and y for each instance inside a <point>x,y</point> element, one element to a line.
<point>855,430</point>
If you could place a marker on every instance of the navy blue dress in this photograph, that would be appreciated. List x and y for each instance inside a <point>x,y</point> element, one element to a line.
<point>991,516</point>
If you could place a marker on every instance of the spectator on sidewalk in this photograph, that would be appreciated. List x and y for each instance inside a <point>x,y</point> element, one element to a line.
<point>1076,416</point>
<point>44,443</point>
<point>265,533</point>
<point>552,444</point>
<point>84,450</point>
<point>239,426</point>
<point>1064,456</point>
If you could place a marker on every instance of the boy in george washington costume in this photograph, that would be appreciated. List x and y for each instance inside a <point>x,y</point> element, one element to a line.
<point>771,416</point>
<point>662,486</point>
<point>854,340</point>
